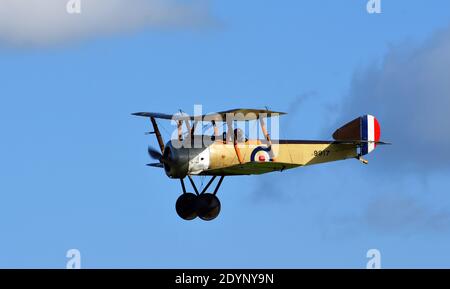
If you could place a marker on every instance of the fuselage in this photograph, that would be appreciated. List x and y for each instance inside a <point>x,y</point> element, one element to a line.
<point>202,156</point>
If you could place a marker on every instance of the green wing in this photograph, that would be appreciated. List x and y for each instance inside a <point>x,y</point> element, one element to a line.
<point>250,168</point>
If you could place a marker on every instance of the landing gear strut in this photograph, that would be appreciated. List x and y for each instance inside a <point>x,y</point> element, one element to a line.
<point>204,205</point>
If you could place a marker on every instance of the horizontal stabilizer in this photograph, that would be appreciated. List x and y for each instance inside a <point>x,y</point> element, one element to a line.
<point>361,142</point>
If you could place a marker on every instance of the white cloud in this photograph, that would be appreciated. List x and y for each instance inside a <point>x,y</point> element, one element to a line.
<point>46,22</point>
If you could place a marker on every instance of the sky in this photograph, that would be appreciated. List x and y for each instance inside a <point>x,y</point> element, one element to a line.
<point>72,170</point>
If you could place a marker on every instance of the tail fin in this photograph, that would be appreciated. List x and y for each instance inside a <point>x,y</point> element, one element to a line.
<point>364,130</point>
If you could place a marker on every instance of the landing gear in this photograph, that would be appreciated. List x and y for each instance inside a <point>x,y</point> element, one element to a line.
<point>204,205</point>
<point>208,207</point>
<point>186,206</point>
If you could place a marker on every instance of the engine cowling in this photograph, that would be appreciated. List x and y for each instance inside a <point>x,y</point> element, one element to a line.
<point>184,160</point>
<point>178,161</point>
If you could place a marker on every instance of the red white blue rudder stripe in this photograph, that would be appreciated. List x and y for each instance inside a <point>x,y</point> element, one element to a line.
<point>370,133</point>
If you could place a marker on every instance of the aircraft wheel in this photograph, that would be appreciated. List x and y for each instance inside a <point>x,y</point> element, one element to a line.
<point>208,206</point>
<point>186,206</point>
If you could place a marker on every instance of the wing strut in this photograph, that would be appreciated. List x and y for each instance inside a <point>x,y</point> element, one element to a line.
<point>267,136</point>
<point>236,148</point>
<point>180,130</point>
<point>231,136</point>
<point>216,130</point>
<point>158,134</point>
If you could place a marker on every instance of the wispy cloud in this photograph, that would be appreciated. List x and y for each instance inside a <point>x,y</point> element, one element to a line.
<point>393,213</point>
<point>46,22</point>
<point>400,213</point>
<point>300,100</point>
<point>410,94</point>
<point>267,189</point>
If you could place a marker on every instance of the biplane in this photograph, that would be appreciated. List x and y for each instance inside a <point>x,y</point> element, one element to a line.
<point>231,153</point>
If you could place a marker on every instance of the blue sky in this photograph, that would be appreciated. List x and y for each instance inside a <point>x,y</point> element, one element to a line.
<point>73,171</point>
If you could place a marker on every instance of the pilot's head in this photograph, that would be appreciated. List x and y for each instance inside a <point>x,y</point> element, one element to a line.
<point>239,134</point>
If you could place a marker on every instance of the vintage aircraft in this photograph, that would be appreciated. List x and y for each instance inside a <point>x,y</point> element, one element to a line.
<point>231,153</point>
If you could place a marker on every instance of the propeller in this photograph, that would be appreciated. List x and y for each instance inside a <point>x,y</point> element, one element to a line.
<point>155,154</point>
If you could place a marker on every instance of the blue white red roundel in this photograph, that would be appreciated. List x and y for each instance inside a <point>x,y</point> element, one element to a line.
<point>260,154</point>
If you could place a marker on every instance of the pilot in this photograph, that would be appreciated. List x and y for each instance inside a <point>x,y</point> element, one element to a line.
<point>239,134</point>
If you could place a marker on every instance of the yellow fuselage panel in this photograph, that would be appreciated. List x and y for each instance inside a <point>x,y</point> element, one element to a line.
<point>300,154</point>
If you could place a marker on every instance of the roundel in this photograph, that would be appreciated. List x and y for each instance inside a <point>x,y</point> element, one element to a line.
<point>260,154</point>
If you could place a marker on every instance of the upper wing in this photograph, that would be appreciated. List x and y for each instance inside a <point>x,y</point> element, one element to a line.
<point>240,114</point>
<point>247,113</point>
<point>250,168</point>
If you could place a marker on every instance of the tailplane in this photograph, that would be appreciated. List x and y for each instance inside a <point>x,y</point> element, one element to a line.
<point>364,131</point>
